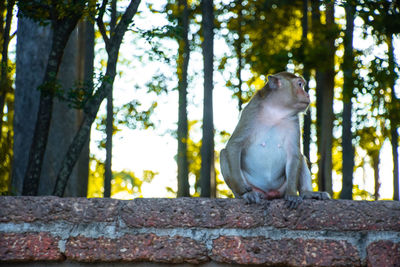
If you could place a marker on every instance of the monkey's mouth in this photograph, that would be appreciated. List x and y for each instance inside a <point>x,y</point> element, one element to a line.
<point>303,105</point>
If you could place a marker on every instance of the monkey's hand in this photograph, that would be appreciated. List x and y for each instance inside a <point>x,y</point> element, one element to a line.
<point>316,195</point>
<point>252,197</point>
<point>292,201</point>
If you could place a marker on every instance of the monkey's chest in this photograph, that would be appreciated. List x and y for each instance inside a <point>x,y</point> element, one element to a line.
<point>264,160</point>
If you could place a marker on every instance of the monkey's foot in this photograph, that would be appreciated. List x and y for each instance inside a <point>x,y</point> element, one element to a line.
<point>252,197</point>
<point>316,195</point>
<point>292,202</point>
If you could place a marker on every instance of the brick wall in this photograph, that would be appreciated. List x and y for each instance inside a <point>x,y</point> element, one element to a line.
<point>51,231</point>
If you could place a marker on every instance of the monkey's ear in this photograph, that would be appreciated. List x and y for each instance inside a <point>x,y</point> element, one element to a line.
<point>274,82</point>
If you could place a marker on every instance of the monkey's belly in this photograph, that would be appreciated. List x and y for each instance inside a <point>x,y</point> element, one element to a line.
<point>263,164</point>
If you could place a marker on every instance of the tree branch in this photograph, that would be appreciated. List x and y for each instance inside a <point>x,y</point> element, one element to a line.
<point>126,19</point>
<point>100,24</point>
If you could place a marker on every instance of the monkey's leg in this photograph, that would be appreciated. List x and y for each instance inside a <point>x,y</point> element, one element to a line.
<point>230,168</point>
<point>292,177</point>
<point>306,187</point>
<point>234,178</point>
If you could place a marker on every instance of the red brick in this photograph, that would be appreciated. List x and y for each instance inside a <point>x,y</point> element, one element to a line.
<point>143,247</point>
<point>29,247</point>
<point>285,252</point>
<point>338,215</point>
<point>383,254</point>
<point>192,212</point>
<point>50,208</point>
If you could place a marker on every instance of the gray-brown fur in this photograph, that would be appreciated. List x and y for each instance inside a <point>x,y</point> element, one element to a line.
<point>262,159</point>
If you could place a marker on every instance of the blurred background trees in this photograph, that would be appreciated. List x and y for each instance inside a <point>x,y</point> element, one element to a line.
<point>347,50</point>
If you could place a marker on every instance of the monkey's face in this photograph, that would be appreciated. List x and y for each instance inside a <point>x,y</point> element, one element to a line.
<point>301,98</point>
<point>287,90</point>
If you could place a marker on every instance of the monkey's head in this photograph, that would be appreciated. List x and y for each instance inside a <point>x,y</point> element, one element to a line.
<point>287,90</point>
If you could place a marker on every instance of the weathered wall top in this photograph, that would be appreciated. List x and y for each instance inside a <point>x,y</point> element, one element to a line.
<point>65,231</point>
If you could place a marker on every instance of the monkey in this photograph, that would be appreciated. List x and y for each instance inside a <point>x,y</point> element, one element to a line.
<point>262,159</point>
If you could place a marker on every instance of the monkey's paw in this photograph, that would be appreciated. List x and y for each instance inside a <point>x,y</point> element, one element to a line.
<point>316,195</point>
<point>292,202</point>
<point>252,197</point>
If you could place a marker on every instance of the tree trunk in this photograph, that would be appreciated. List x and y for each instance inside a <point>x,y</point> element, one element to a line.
<point>5,83</point>
<point>183,135</point>
<point>91,108</point>
<point>33,45</point>
<point>306,75</point>
<point>395,145</point>
<point>325,86</point>
<point>110,118</point>
<point>64,123</point>
<point>76,69</point>
<point>375,166</point>
<point>317,40</point>
<point>347,135</point>
<point>61,32</point>
<point>109,133</point>
<point>34,42</point>
<point>79,181</point>
<point>207,148</point>
<point>394,123</point>
<point>238,47</point>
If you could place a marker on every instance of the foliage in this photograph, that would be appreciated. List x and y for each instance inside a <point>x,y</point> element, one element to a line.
<point>47,11</point>
<point>154,36</point>
<point>272,29</point>
<point>265,34</point>
<point>124,184</point>
<point>79,95</point>
<point>6,147</point>
<point>96,178</point>
<point>361,194</point>
<point>158,84</point>
<point>131,115</point>
<point>383,17</point>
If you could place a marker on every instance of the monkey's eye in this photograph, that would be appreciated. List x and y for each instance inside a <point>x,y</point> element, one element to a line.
<point>300,84</point>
